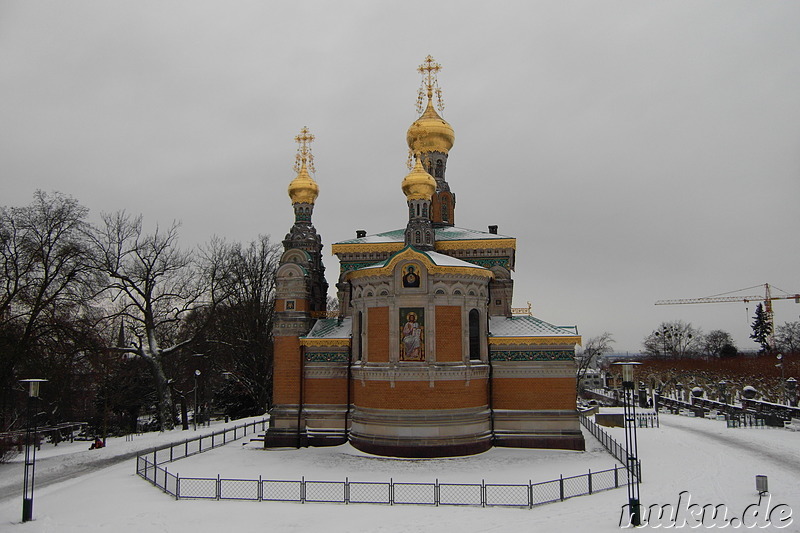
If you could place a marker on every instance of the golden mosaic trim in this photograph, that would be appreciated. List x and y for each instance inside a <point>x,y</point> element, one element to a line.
<point>324,342</point>
<point>477,244</point>
<point>366,247</point>
<point>525,341</point>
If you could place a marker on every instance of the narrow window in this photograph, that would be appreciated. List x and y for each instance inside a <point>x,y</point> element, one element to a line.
<point>474,335</point>
<point>359,325</point>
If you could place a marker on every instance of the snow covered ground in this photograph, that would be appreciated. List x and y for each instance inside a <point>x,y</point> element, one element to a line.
<point>88,492</point>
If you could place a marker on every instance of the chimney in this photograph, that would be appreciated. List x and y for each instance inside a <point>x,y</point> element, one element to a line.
<point>493,230</point>
<point>360,233</point>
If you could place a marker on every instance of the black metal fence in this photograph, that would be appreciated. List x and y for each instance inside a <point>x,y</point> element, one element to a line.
<point>188,447</point>
<point>608,442</point>
<point>380,492</point>
<point>149,466</point>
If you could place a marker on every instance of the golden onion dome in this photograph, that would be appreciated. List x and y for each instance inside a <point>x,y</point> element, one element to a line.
<point>430,133</point>
<point>419,185</point>
<point>303,189</point>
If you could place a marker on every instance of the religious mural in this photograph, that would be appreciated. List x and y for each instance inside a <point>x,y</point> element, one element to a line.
<point>412,334</point>
<point>411,278</point>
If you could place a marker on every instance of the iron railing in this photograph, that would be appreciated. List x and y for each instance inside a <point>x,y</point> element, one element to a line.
<point>390,492</point>
<point>189,447</point>
<point>608,442</point>
<point>436,493</point>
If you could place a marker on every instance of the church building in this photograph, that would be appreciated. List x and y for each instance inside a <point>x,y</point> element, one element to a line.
<point>425,356</point>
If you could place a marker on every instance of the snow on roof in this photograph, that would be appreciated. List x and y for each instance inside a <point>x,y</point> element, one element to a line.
<point>331,328</point>
<point>448,233</point>
<point>435,257</point>
<point>527,326</point>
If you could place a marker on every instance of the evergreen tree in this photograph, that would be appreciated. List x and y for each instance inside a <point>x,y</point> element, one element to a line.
<point>762,329</point>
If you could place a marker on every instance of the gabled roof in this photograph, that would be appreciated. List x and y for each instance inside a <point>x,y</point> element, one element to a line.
<point>434,262</point>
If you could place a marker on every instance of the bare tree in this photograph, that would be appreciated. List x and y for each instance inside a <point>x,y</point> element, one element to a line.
<point>787,337</point>
<point>718,343</point>
<point>592,350</point>
<point>154,285</point>
<point>239,338</point>
<point>46,286</point>
<point>676,339</point>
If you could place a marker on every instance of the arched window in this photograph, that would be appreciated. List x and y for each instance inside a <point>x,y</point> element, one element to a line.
<point>445,209</point>
<point>359,325</point>
<point>474,335</point>
<point>439,169</point>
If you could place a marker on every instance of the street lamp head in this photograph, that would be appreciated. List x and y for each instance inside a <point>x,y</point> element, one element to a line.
<point>627,370</point>
<point>33,386</point>
<point>196,372</point>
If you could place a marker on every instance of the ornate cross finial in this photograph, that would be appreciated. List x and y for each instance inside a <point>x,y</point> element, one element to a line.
<point>430,84</point>
<point>304,154</point>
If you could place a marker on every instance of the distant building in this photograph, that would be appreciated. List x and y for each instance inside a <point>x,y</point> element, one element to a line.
<point>425,357</point>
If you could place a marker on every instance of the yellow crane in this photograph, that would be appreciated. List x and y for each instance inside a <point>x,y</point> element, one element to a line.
<point>767,298</point>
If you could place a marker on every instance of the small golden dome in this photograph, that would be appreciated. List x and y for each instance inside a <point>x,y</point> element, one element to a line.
<point>303,189</point>
<point>419,185</point>
<point>430,133</point>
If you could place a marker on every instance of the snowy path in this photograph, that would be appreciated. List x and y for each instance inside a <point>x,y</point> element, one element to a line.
<point>766,449</point>
<point>713,463</point>
<point>69,460</point>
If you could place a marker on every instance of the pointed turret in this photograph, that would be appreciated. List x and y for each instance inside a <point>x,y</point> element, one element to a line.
<point>430,139</point>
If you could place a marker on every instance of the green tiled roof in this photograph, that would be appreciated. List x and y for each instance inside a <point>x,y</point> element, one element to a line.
<point>331,328</point>
<point>527,326</point>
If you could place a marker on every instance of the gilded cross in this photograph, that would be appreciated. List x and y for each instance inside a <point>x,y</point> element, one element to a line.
<point>304,155</point>
<point>430,84</point>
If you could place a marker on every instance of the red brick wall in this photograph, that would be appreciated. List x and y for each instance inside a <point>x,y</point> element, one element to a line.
<point>448,333</point>
<point>534,393</point>
<point>420,395</point>
<point>326,391</point>
<point>286,373</point>
<point>378,332</point>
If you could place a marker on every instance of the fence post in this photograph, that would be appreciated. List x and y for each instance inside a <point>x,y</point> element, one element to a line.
<point>530,494</point>
<point>303,489</point>
<point>219,487</point>
<point>260,491</point>
<point>346,490</point>
<point>561,486</point>
<point>590,481</point>
<point>391,491</point>
<point>186,448</point>
<point>483,493</point>
<point>616,477</point>
<point>170,453</point>
<point>436,492</point>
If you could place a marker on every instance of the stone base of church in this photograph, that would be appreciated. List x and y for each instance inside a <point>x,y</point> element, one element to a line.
<point>559,442</point>
<point>559,429</point>
<point>414,448</point>
<point>421,433</point>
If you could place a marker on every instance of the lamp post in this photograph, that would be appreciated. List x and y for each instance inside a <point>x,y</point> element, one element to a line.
<point>30,450</point>
<point>783,379</point>
<point>196,375</point>
<point>631,444</point>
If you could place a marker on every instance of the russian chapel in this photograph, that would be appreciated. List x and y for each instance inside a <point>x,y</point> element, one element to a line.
<point>425,356</point>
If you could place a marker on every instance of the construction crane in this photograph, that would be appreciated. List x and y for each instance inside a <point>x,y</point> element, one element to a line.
<point>767,298</point>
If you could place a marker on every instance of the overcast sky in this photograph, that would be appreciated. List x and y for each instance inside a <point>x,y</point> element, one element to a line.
<point>638,150</point>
